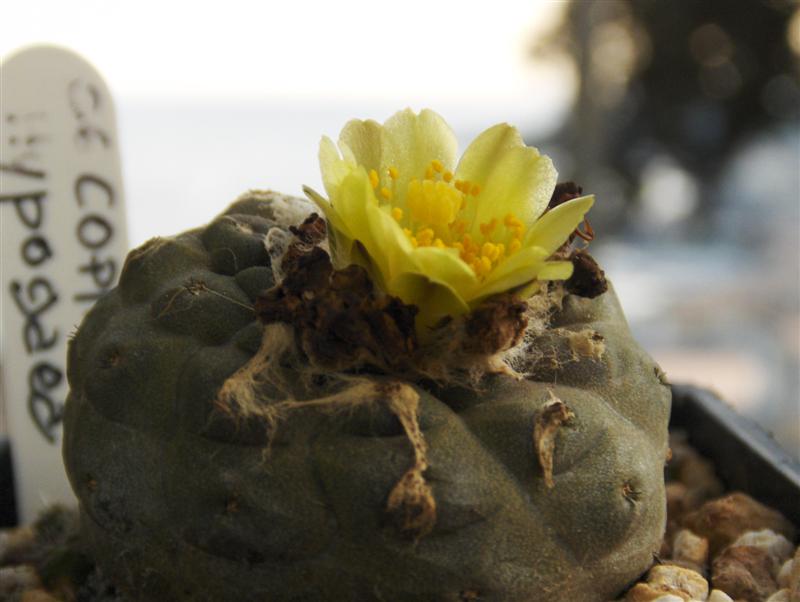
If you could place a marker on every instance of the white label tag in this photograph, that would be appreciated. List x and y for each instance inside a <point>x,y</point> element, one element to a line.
<point>63,239</point>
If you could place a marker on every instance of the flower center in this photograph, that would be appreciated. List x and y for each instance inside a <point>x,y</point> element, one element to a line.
<point>435,205</point>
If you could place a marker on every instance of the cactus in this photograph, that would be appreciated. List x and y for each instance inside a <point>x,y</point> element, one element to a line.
<point>547,487</point>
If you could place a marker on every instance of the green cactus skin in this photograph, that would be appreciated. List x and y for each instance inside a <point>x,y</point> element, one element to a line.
<point>178,505</point>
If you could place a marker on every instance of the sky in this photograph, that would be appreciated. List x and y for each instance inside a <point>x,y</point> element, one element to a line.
<point>420,51</point>
<point>215,98</point>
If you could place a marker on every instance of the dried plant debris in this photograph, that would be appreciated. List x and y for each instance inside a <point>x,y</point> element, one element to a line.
<point>588,279</point>
<point>547,423</point>
<point>497,325</point>
<point>343,323</point>
<point>411,501</point>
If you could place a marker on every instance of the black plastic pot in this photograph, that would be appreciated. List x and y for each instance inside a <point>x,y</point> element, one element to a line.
<point>8,504</point>
<point>746,457</point>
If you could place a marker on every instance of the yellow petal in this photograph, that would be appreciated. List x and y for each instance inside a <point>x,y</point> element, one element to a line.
<point>355,204</point>
<point>363,138</point>
<point>332,166</point>
<point>513,178</point>
<point>446,267</point>
<point>556,270</point>
<point>553,229</point>
<point>521,268</point>
<point>435,300</point>
<point>410,142</point>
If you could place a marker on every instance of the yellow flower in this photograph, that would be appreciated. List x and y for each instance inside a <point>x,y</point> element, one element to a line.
<point>439,236</point>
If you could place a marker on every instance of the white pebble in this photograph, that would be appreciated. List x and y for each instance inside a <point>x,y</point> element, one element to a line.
<point>782,595</point>
<point>785,574</point>
<point>717,595</point>
<point>690,547</point>
<point>774,544</point>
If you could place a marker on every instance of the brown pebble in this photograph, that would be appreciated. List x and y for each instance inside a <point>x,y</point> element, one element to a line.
<point>678,580</point>
<point>16,579</point>
<point>794,578</point>
<point>745,572</point>
<point>16,545</point>
<point>723,520</point>
<point>38,595</point>
<point>689,547</point>
<point>644,592</point>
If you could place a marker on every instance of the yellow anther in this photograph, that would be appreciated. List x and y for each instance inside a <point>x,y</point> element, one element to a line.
<point>514,246</point>
<point>488,227</point>
<point>429,172</point>
<point>448,176</point>
<point>486,264</point>
<point>407,232</point>
<point>425,237</point>
<point>489,250</point>
<point>458,247</point>
<point>475,190</point>
<point>513,222</point>
<point>397,213</point>
<point>437,166</point>
<point>477,266</point>
<point>393,173</point>
<point>414,242</point>
<point>373,178</point>
<point>459,226</point>
<point>386,193</point>
<point>501,250</point>
<point>438,243</point>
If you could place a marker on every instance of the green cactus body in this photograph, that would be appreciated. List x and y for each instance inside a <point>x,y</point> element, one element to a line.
<point>179,502</point>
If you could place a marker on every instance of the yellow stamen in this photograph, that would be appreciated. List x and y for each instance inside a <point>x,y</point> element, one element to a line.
<point>438,243</point>
<point>386,193</point>
<point>448,176</point>
<point>437,165</point>
<point>514,246</point>
<point>393,173</point>
<point>425,237</point>
<point>475,190</point>
<point>429,172</point>
<point>397,213</point>
<point>488,228</point>
<point>373,178</point>
<point>414,242</point>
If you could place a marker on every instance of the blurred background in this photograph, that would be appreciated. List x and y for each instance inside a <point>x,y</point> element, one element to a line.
<point>682,117</point>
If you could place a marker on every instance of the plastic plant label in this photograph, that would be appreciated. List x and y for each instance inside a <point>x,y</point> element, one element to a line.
<point>63,239</point>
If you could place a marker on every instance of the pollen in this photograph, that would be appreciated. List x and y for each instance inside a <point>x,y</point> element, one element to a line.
<point>433,206</point>
<point>374,180</point>
<point>488,227</point>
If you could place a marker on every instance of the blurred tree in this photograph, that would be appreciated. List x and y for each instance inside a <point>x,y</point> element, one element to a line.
<point>686,79</point>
